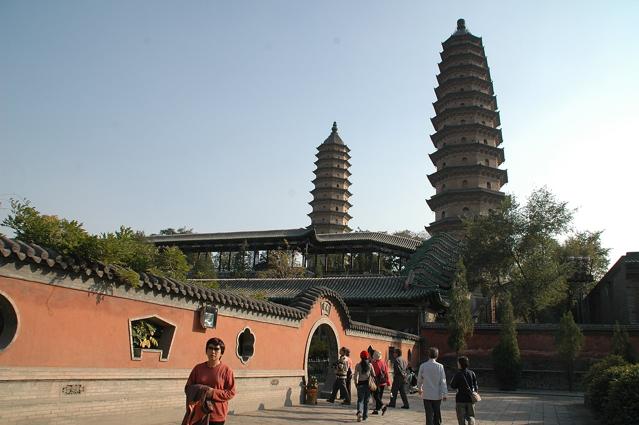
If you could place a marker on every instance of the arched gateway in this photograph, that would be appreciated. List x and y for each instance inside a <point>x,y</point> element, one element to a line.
<point>322,349</point>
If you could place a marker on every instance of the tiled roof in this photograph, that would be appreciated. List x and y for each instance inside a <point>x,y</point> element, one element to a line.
<point>435,262</point>
<point>351,288</point>
<point>18,251</point>
<point>289,234</point>
<point>398,241</point>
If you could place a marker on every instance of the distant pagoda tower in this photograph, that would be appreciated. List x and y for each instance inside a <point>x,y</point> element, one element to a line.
<point>467,181</point>
<point>330,195</point>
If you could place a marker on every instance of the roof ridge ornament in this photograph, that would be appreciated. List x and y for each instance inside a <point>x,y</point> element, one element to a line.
<point>461,27</point>
<point>334,128</point>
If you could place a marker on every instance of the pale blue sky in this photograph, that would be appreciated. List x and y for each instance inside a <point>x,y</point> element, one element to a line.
<point>207,114</point>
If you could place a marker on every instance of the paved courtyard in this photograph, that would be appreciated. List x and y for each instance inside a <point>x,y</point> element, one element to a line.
<point>496,408</point>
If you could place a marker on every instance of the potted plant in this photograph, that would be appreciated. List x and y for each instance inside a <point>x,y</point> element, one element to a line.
<point>311,390</point>
<point>144,336</point>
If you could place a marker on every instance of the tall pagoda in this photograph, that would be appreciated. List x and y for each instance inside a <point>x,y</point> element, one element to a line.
<point>330,195</point>
<point>467,179</point>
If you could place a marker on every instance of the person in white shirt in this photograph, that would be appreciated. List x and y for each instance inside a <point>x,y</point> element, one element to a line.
<point>431,382</point>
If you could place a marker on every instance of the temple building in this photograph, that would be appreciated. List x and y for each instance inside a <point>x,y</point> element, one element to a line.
<point>330,195</point>
<point>467,179</point>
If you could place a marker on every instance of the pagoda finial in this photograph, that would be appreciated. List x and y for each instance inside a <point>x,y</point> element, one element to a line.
<point>334,129</point>
<point>461,24</point>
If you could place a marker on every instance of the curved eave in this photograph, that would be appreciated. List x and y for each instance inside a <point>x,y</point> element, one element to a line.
<point>448,130</point>
<point>488,84</point>
<point>469,170</point>
<point>324,200</point>
<point>455,39</point>
<point>342,149</point>
<point>332,189</point>
<point>467,147</point>
<point>343,161</point>
<point>327,178</point>
<point>445,224</point>
<point>491,100</point>
<point>443,65</point>
<point>325,169</point>
<point>470,67</point>
<point>453,195</point>
<point>329,212</point>
<point>462,48</point>
<point>462,110</point>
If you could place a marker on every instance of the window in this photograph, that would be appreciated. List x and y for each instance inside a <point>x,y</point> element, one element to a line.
<point>8,322</point>
<point>152,334</point>
<point>464,183</point>
<point>443,214</point>
<point>443,165</point>
<point>463,139</point>
<point>488,185</point>
<point>487,162</point>
<point>336,209</point>
<point>444,186</point>
<point>464,159</point>
<point>245,345</point>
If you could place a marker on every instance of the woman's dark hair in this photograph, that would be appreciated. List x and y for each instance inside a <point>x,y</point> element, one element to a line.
<point>398,351</point>
<point>347,352</point>
<point>364,365</point>
<point>214,342</point>
<point>463,362</point>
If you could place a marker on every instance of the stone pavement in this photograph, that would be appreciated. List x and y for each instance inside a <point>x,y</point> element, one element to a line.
<point>496,408</point>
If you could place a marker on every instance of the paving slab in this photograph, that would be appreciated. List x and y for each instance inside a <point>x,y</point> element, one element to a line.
<point>496,408</point>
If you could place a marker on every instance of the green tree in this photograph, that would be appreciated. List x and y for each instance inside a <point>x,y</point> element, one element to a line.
<point>125,248</point>
<point>506,356</point>
<point>238,265</point>
<point>278,265</point>
<point>515,248</point>
<point>621,345</point>
<point>569,341</point>
<point>459,316</point>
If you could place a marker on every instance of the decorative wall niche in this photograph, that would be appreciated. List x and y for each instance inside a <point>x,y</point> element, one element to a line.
<point>8,322</point>
<point>245,345</point>
<point>151,334</point>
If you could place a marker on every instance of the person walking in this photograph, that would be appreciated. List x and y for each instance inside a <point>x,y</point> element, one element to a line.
<point>400,373</point>
<point>381,379</point>
<point>209,388</point>
<point>349,376</point>
<point>465,382</point>
<point>341,371</point>
<point>363,371</point>
<point>431,383</point>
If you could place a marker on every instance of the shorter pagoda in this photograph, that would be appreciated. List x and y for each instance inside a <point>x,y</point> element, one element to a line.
<point>330,195</point>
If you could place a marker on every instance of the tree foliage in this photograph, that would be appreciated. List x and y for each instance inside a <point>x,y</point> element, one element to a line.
<point>124,248</point>
<point>279,265</point>
<point>621,345</point>
<point>569,341</point>
<point>459,316</point>
<point>506,356</point>
<point>517,249</point>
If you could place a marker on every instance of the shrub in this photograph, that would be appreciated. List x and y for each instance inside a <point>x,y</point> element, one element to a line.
<point>598,388</point>
<point>596,370</point>
<point>622,405</point>
<point>506,357</point>
<point>621,344</point>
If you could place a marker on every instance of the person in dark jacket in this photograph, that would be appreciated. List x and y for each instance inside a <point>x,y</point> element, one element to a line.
<point>465,382</point>
<point>400,373</point>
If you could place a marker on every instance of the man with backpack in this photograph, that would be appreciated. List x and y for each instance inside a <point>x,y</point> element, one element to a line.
<point>381,379</point>
<point>341,371</point>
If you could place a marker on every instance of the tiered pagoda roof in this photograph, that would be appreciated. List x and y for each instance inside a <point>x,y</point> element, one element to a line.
<point>330,195</point>
<point>467,179</point>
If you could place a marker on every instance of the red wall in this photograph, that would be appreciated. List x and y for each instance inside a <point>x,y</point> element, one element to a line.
<point>62,327</point>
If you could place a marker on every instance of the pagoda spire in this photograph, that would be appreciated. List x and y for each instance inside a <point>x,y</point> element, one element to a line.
<point>330,195</point>
<point>467,137</point>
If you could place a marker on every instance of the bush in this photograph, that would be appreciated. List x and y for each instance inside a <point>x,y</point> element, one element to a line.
<point>598,388</point>
<point>506,357</point>
<point>622,405</point>
<point>597,369</point>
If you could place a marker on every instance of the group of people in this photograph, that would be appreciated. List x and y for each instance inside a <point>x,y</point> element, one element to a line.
<point>371,377</point>
<point>212,384</point>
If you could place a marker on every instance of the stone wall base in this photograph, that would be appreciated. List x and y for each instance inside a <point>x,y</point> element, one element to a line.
<point>103,396</point>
